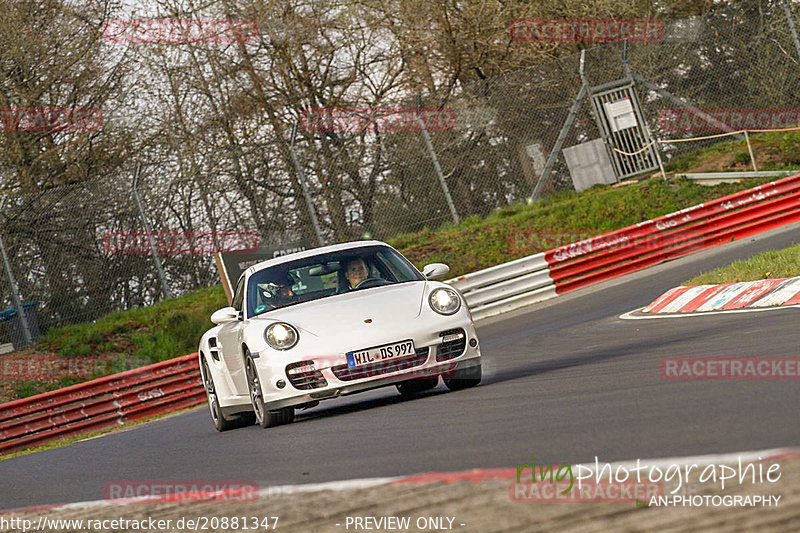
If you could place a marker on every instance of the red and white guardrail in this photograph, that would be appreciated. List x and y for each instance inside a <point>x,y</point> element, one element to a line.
<point>109,401</point>
<point>518,283</point>
<point>176,384</point>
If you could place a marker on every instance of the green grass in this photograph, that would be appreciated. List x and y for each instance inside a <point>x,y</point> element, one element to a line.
<point>773,264</point>
<point>144,335</point>
<point>772,151</point>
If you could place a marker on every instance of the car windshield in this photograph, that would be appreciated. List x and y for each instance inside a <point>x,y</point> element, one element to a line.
<point>325,275</point>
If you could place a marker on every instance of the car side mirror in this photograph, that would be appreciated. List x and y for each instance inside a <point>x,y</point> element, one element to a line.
<point>435,270</point>
<point>224,315</point>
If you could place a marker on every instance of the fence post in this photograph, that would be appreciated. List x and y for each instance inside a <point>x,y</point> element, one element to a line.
<point>792,29</point>
<point>301,176</point>
<point>436,165</point>
<point>26,331</point>
<point>149,232</point>
<point>562,135</point>
<point>750,149</point>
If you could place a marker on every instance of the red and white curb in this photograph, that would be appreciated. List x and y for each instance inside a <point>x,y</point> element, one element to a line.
<point>474,476</point>
<point>762,295</point>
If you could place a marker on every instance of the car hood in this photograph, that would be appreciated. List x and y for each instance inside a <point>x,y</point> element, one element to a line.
<point>385,306</point>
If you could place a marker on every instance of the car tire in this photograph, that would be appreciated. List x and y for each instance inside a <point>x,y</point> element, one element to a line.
<point>263,417</point>
<point>220,420</point>
<point>463,378</point>
<point>415,386</point>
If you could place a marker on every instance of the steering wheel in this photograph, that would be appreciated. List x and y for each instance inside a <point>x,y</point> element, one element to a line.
<point>371,282</point>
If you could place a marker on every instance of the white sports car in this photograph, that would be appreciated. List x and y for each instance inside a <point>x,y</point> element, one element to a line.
<point>332,321</point>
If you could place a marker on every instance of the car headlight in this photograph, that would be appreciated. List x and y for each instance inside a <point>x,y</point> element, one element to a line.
<point>444,301</point>
<point>281,336</point>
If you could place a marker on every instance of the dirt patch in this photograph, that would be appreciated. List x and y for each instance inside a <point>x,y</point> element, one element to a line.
<point>738,159</point>
<point>8,391</point>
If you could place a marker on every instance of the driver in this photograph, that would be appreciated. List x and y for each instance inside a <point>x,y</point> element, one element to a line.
<point>356,271</point>
<point>280,291</point>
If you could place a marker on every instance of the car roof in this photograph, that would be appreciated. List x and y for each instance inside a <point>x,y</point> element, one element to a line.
<point>312,252</point>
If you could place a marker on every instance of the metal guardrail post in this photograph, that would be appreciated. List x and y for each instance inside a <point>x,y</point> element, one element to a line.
<point>301,176</point>
<point>437,166</point>
<point>148,230</point>
<point>26,331</point>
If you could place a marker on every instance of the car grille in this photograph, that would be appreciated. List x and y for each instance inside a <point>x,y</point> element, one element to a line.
<point>312,379</point>
<point>383,367</point>
<point>451,349</point>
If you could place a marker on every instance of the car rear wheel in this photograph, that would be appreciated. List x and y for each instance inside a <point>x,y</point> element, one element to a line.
<point>264,417</point>
<point>414,386</point>
<point>221,422</point>
<point>463,378</point>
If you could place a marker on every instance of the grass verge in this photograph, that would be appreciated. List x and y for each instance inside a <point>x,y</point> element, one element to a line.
<point>772,264</point>
<point>772,151</point>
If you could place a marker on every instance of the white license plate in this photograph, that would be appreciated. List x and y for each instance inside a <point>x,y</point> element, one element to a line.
<point>397,350</point>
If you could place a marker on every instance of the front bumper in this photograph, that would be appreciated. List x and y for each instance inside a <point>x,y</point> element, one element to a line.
<point>339,381</point>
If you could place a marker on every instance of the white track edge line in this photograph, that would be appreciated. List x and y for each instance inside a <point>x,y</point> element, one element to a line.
<point>630,316</point>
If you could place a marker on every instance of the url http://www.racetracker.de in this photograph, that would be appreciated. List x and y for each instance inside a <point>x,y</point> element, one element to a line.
<point>198,523</point>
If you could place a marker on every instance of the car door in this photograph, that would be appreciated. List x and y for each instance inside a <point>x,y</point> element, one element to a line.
<point>230,340</point>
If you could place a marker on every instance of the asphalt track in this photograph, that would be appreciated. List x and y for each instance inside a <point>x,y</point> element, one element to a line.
<point>565,381</point>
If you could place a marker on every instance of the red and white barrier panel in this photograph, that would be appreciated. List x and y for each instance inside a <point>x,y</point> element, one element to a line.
<point>538,277</point>
<point>109,401</point>
<point>727,297</point>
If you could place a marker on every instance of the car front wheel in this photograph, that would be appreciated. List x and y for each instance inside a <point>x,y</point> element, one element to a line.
<point>221,422</point>
<point>264,417</point>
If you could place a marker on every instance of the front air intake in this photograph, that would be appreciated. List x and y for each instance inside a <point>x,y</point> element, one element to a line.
<point>303,376</point>
<point>454,341</point>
